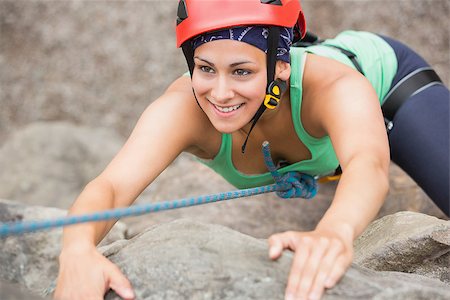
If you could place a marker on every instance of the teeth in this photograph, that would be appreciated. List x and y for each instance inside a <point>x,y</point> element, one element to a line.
<point>227,109</point>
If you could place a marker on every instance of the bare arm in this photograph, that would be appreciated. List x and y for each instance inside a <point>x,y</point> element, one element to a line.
<point>347,109</point>
<point>353,120</point>
<point>167,127</point>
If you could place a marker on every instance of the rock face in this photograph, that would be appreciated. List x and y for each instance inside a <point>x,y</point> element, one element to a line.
<point>187,259</point>
<point>16,292</point>
<point>31,260</point>
<point>49,163</point>
<point>407,242</point>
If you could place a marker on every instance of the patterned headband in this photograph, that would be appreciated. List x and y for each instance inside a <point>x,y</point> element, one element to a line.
<point>253,35</point>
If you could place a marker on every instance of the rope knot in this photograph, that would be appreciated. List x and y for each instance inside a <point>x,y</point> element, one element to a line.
<point>294,184</point>
<point>301,185</point>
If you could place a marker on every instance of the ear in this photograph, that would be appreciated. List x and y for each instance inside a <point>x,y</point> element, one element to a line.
<point>282,70</point>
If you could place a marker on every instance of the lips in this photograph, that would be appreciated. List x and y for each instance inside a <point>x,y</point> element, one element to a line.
<point>227,109</point>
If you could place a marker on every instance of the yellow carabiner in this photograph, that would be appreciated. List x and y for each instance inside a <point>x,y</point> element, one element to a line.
<point>273,96</point>
<point>271,102</point>
<point>326,179</point>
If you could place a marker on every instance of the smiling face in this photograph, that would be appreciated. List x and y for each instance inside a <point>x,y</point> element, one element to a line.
<point>229,80</point>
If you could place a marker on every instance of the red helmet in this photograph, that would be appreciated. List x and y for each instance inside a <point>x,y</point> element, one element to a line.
<point>199,16</point>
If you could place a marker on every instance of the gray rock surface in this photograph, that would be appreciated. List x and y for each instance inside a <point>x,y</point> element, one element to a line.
<point>49,163</point>
<point>11,291</point>
<point>31,260</point>
<point>187,259</point>
<point>98,63</point>
<point>190,260</point>
<point>407,242</point>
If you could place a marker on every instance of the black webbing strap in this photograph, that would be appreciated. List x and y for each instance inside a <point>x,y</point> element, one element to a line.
<point>405,88</point>
<point>310,39</point>
<point>352,56</point>
<point>272,48</point>
<point>188,52</point>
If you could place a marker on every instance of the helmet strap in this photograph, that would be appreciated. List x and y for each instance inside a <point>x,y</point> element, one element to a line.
<point>274,88</point>
<point>188,52</point>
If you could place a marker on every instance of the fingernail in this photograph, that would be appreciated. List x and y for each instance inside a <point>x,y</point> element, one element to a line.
<point>329,283</point>
<point>313,296</point>
<point>127,293</point>
<point>272,251</point>
<point>289,296</point>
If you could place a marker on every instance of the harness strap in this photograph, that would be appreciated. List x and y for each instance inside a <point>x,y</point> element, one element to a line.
<point>352,56</point>
<point>410,85</point>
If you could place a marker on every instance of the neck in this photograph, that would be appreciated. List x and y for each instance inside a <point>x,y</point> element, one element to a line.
<point>271,119</point>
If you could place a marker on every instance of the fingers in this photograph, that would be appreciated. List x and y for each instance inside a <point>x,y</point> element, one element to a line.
<point>332,268</point>
<point>89,276</point>
<point>313,267</point>
<point>337,272</point>
<point>280,241</point>
<point>120,284</point>
<point>275,246</point>
<point>319,262</point>
<point>295,275</point>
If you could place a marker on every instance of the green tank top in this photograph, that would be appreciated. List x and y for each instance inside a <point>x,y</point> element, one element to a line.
<point>379,64</point>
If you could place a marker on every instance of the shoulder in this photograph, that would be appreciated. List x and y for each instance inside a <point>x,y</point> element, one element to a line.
<point>329,87</point>
<point>177,109</point>
<point>344,105</point>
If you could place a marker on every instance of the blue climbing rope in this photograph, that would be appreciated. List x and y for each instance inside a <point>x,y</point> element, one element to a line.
<point>289,185</point>
<point>300,185</point>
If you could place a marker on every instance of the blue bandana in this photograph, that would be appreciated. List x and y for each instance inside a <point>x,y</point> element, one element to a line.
<point>253,35</point>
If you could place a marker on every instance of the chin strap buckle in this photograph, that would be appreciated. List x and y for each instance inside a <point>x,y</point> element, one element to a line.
<point>273,94</point>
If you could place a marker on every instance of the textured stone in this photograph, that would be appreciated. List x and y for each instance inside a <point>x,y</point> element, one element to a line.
<point>407,242</point>
<point>31,260</point>
<point>190,260</point>
<point>49,163</point>
<point>11,291</point>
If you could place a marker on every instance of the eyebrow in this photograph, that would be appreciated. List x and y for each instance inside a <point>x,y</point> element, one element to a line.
<point>232,65</point>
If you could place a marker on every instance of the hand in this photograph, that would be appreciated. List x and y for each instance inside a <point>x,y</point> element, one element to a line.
<point>320,260</point>
<point>88,275</point>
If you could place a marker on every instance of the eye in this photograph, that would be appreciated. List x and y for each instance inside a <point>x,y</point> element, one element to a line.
<point>242,72</point>
<point>206,69</point>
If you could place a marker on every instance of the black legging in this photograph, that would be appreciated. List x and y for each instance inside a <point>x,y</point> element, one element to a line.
<point>419,139</point>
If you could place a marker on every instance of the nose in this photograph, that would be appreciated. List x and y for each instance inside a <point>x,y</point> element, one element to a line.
<point>222,90</point>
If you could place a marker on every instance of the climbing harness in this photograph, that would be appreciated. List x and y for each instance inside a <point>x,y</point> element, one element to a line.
<point>410,85</point>
<point>289,185</point>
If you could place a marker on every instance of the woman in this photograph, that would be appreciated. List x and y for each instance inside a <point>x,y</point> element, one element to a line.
<point>318,112</point>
